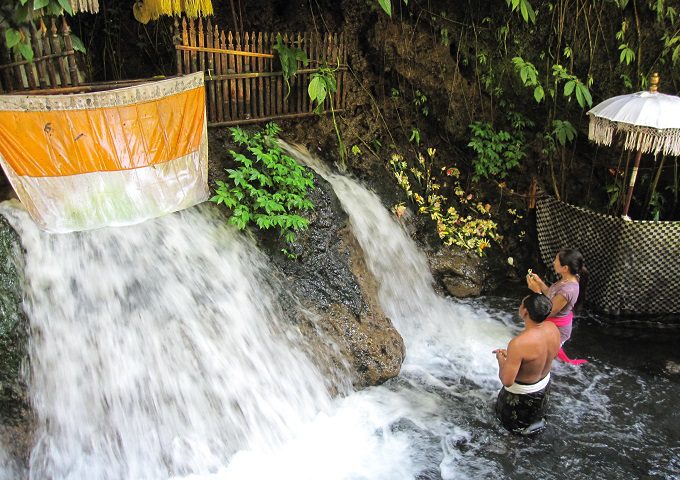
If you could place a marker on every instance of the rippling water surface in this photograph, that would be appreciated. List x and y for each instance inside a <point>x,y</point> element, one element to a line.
<point>159,351</point>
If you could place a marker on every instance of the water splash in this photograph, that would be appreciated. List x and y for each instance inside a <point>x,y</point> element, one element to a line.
<point>441,335</point>
<point>157,350</point>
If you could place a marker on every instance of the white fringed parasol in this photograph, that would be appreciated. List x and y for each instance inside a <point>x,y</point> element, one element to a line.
<point>650,121</point>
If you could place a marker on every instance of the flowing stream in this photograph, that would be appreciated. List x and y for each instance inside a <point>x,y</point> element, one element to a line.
<point>159,351</point>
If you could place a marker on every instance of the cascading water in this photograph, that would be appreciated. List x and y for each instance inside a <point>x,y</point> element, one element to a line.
<point>157,350</point>
<point>197,381</point>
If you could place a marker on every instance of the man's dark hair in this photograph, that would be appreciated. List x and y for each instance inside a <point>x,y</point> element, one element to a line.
<point>538,306</point>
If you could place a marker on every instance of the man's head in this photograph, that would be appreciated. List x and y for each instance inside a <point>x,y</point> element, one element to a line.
<point>536,306</point>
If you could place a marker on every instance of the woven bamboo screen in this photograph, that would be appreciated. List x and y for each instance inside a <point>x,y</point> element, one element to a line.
<point>243,77</point>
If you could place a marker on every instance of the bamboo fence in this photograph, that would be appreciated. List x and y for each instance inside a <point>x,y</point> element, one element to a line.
<point>54,63</point>
<point>243,77</point>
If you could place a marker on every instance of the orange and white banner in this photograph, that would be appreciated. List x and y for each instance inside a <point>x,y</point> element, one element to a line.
<point>108,158</point>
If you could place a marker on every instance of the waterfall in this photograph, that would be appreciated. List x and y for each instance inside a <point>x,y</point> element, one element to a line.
<point>157,349</point>
<point>439,334</point>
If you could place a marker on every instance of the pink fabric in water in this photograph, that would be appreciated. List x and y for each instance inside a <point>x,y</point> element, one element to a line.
<point>562,321</point>
<point>571,361</point>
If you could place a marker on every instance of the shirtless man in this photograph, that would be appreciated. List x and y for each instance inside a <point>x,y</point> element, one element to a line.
<point>524,368</point>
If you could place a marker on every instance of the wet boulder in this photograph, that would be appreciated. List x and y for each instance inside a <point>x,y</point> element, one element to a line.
<point>331,280</point>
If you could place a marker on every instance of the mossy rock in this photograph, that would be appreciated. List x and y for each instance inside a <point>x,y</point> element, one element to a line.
<point>13,326</point>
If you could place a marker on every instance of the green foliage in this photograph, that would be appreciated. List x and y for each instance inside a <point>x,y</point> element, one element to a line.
<point>415,136</point>
<point>323,84</point>
<point>525,9</point>
<point>529,76</point>
<point>289,58</point>
<point>268,188</point>
<point>498,152</point>
<point>573,87</point>
<point>24,17</point>
<point>420,101</point>
<point>460,220</point>
<point>563,131</point>
<point>386,5</point>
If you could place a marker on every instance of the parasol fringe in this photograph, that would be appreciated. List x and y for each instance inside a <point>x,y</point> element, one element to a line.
<point>644,139</point>
<point>91,6</point>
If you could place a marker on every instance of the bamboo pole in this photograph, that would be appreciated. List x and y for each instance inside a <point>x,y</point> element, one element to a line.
<point>232,82</point>
<point>265,119</point>
<point>212,84</point>
<point>225,82</point>
<point>186,61</point>
<point>227,50</point>
<point>72,67</point>
<point>47,52</point>
<point>177,39</point>
<point>240,87</point>
<point>219,71</point>
<point>247,111</point>
<point>260,81</point>
<point>56,48</point>
<point>192,43</point>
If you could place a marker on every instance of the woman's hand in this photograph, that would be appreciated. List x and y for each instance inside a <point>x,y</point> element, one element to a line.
<point>535,283</point>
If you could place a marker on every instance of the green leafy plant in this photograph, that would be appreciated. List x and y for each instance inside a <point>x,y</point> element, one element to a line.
<point>322,85</point>
<point>525,9</point>
<point>289,58</point>
<point>24,18</point>
<point>498,152</point>
<point>386,5</point>
<point>267,187</point>
<point>459,219</point>
<point>420,101</point>
<point>529,76</point>
<point>415,136</point>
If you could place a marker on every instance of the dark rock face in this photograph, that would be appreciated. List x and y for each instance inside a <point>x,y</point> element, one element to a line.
<point>16,419</point>
<point>13,326</point>
<point>331,279</point>
<point>460,273</point>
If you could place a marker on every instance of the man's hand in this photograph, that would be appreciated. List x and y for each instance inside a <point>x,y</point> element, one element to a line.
<point>501,353</point>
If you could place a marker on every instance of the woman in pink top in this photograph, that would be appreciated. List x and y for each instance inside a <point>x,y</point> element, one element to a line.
<point>564,294</point>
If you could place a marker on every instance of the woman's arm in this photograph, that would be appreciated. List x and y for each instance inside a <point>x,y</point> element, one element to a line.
<point>559,301</point>
<point>535,284</point>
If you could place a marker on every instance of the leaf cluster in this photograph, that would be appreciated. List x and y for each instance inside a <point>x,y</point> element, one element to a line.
<point>322,84</point>
<point>289,58</point>
<point>268,188</point>
<point>459,219</point>
<point>498,151</point>
<point>22,15</point>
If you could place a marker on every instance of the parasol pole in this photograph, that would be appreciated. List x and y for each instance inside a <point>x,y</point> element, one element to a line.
<point>653,87</point>
<point>631,183</point>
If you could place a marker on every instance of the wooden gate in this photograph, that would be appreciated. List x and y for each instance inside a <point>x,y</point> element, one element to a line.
<point>53,66</point>
<point>243,78</point>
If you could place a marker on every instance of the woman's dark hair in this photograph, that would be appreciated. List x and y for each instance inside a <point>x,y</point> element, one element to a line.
<point>538,306</point>
<point>574,261</point>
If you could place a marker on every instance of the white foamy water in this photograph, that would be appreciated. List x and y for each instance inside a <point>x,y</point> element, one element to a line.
<point>157,350</point>
<point>171,361</point>
<point>440,334</point>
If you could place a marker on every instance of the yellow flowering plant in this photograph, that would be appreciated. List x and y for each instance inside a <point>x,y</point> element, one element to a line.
<point>459,219</point>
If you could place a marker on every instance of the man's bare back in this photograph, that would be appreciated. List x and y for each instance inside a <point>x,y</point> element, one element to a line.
<point>524,368</point>
<point>537,348</point>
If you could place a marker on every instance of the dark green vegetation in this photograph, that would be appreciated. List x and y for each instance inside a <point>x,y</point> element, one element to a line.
<point>498,87</point>
<point>267,188</point>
